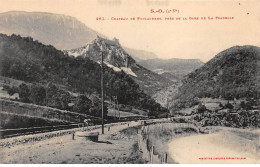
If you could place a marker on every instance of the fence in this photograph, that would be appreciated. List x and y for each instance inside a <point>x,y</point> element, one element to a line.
<point>148,150</point>
<point>146,146</point>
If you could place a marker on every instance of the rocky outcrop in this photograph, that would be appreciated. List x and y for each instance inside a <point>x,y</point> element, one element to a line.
<point>118,59</point>
<point>112,51</point>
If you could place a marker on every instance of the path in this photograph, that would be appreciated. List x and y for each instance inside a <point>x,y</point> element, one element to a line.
<point>65,150</point>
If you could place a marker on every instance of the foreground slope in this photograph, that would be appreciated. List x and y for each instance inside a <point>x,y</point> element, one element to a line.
<point>32,62</point>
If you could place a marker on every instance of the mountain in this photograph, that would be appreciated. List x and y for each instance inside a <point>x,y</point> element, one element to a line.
<point>63,32</point>
<point>140,55</point>
<point>178,68</point>
<point>33,62</point>
<point>118,59</point>
<point>232,74</point>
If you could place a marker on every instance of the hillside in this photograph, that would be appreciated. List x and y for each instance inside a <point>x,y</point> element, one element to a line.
<point>173,69</point>
<point>118,59</point>
<point>165,96</point>
<point>30,61</point>
<point>232,74</point>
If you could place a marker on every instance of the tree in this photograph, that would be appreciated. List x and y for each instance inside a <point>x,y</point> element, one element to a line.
<point>37,94</point>
<point>82,105</point>
<point>201,108</point>
<point>10,90</point>
<point>96,108</point>
<point>24,93</point>
<point>229,105</point>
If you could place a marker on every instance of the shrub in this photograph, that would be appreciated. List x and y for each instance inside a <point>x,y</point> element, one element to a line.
<point>201,108</point>
<point>229,106</point>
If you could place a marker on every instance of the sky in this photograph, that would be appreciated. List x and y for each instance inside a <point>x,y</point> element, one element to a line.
<point>188,39</point>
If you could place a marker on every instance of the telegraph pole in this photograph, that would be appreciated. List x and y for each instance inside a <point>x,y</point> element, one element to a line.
<point>102,91</point>
<point>117,107</point>
<point>46,93</point>
<point>114,104</point>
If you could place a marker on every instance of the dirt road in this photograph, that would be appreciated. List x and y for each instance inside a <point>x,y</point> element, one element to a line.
<point>191,150</point>
<point>121,148</point>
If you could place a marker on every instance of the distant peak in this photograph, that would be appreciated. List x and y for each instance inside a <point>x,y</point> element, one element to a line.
<point>62,31</point>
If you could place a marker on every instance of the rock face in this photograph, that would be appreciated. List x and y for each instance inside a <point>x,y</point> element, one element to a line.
<point>63,32</point>
<point>114,54</point>
<point>118,59</point>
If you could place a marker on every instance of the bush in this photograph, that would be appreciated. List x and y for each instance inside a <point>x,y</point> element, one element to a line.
<point>201,108</point>
<point>229,106</point>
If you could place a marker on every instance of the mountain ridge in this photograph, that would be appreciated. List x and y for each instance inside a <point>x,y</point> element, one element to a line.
<point>48,28</point>
<point>139,54</point>
<point>175,67</point>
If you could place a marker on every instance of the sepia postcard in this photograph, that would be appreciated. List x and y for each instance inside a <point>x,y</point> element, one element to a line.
<point>129,82</point>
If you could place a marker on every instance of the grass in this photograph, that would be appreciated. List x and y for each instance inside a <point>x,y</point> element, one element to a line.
<point>41,111</point>
<point>132,131</point>
<point>140,112</point>
<point>112,112</point>
<point>136,156</point>
<point>13,121</point>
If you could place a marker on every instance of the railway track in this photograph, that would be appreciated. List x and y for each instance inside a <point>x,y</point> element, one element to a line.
<point>7,133</point>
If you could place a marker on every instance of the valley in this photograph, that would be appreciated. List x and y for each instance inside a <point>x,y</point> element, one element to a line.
<point>51,67</point>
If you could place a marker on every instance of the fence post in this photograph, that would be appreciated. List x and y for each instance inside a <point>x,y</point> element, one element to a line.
<point>2,105</point>
<point>151,155</point>
<point>73,136</point>
<point>165,158</point>
<point>138,139</point>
